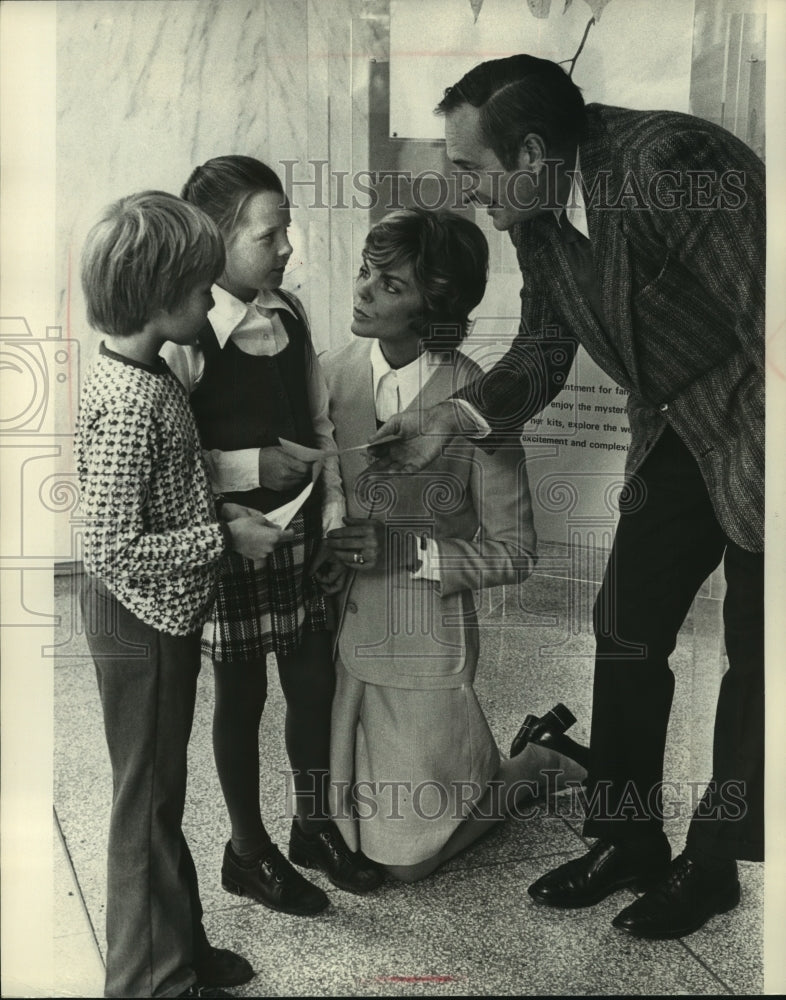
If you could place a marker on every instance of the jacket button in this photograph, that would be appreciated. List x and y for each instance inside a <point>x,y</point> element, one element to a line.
<point>663,407</point>
<point>352,607</point>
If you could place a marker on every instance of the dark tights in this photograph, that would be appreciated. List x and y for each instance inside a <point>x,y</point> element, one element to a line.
<point>307,680</point>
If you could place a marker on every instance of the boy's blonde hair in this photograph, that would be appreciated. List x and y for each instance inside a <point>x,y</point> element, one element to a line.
<point>148,252</point>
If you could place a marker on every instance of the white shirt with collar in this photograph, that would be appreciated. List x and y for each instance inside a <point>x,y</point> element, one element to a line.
<point>255,328</point>
<point>394,390</point>
<point>575,209</point>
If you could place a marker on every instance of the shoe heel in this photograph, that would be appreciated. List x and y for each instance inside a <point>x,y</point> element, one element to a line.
<point>233,887</point>
<point>561,717</point>
<point>729,899</point>
<point>547,731</point>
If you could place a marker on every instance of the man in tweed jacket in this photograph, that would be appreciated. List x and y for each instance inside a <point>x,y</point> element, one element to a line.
<point>639,235</point>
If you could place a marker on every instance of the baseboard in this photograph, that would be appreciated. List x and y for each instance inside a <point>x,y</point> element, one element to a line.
<point>74,567</point>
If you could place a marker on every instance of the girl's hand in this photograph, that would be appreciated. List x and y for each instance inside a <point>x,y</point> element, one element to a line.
<point>231,511</point>
<point>280,471</point>
<point>328,571</point>
<point>254,540</point>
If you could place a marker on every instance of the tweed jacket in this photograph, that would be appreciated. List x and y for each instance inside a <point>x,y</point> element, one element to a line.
<point>400,632</point>
<point>676,217</point>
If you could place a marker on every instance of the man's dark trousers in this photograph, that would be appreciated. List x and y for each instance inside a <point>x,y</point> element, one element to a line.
<point>668,541</point>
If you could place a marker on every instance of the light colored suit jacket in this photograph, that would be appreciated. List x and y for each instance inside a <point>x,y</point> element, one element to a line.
<point>676,216</point>
<point>414,633</point>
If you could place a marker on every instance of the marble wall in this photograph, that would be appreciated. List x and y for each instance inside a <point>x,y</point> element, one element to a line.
<point>146,91</point>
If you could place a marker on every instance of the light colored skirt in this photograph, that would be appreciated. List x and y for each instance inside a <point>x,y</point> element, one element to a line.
<point>407,766</point>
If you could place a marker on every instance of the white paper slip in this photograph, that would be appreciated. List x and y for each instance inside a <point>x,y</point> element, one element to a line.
<point>385,440</point>
<point>304,454</point>
<point>281,516</point>
<point>317,454</point>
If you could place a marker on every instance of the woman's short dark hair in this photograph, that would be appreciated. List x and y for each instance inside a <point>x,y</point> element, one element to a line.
<point>449,257</point>
<point>221,187</point>
<point>516,96</point>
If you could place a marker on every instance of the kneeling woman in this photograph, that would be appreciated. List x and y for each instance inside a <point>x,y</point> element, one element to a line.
<point>415,770</point>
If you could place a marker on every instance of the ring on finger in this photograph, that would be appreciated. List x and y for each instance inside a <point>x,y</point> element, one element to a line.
<point>357,557</point>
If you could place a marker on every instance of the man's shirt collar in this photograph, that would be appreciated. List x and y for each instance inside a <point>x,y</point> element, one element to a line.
<point>575,210</point>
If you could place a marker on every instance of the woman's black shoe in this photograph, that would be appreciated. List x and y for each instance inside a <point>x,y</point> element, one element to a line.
<point>271,880</point>
<point>327,851</point>
<point>549,731</point>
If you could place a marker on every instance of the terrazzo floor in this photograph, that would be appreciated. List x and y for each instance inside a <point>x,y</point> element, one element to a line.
<point>469,930</point>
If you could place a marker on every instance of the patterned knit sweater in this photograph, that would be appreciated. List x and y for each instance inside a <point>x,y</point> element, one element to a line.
<point>150,530</point>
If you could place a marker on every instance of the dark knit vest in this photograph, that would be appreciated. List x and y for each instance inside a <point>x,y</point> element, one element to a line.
<point>248,401</point>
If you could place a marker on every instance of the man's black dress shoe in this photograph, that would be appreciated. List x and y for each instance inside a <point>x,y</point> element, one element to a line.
<point>603,870</point>
<point>221,967</point>
<point>327,851</point>
<point>682,902</point>
<point>549,731</point>
<point>271,880</point>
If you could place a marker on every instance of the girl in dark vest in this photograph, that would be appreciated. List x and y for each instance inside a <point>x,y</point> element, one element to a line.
<point>254,378</point>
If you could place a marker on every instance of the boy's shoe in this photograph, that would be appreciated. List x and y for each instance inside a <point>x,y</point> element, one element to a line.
<point>327,851</point>
<point>204,991</point>
<point>221,967</point>
<point>271,880</point>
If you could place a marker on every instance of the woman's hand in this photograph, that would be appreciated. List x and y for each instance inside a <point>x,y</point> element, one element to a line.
<point>363,543</point>
<point>360,544</point>
<point>280,471</point>
<point>327,570</point>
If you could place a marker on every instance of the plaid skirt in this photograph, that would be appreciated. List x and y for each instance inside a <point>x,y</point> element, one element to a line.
<point>265,609</point>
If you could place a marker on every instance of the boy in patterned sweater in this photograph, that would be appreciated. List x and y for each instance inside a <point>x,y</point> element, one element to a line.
<point>152,550</point>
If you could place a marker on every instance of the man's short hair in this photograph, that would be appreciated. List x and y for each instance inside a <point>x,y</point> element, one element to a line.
<point>450,258</point>
<point>147,252</point>
<point>516,96</point>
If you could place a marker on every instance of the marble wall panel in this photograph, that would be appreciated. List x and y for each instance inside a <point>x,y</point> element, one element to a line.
<point>146,91</point>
